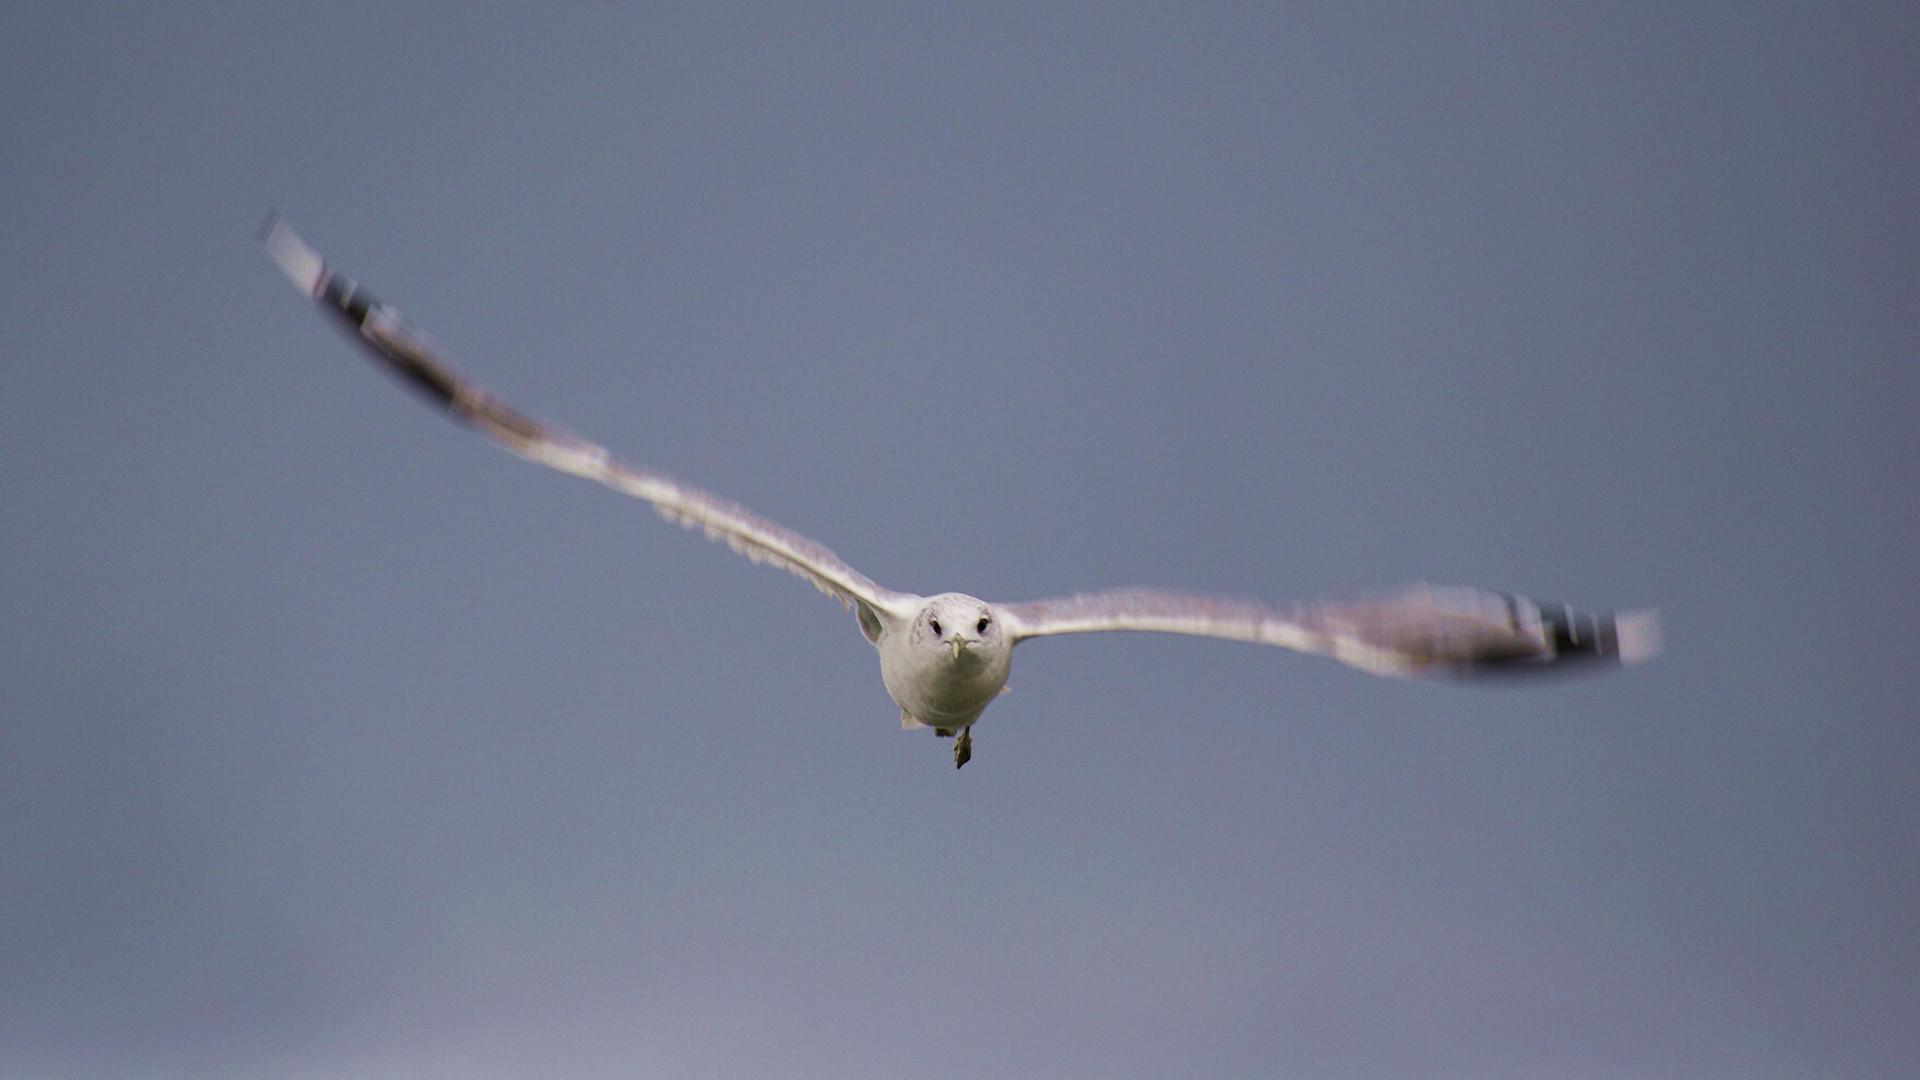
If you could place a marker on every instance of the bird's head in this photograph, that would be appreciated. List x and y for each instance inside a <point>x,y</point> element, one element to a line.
<point>962,625</point>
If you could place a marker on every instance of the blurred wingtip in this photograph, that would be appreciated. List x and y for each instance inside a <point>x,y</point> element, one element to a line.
<point>299,262</point>
<point>1638,634</point>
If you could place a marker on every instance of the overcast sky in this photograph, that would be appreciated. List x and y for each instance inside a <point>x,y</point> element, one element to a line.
<point>337,743</point>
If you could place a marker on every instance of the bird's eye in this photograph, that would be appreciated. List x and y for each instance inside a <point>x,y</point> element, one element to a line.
<point>981,626</point>
<point>935,624</point>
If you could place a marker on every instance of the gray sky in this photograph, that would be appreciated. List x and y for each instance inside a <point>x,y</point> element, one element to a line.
<point>337,743</point>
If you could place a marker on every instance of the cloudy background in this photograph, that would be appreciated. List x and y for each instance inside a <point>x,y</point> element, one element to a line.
<point>337,743</point>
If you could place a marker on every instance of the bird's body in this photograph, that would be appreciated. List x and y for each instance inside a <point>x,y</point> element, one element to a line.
<point>946,666</point>
<point>944,658</point>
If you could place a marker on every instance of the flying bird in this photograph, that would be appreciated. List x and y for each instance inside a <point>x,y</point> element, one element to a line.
<point>945,657</point>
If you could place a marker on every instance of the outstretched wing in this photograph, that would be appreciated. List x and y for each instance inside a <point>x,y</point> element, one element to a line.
<point>1425,630</point>
<point>406,352</point>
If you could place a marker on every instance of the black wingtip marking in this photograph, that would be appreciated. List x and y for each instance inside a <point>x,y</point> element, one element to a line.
<point>345,295</point>
<point>390,341</point>
<point>427,377</point>
<point>1575,642</point>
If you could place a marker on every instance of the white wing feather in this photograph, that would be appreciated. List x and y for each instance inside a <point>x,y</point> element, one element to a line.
<point>407,353</point>
<point>1423,630</point>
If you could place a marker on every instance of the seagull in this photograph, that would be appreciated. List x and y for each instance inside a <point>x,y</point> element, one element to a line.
<point>945,657</point>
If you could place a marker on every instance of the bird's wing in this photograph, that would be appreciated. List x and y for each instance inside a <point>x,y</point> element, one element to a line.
<point>1424,630</point>
<point>406,352</point>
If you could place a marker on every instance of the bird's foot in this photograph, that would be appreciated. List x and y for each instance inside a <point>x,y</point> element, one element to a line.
<point>963,748</point>
<point>943,733</point>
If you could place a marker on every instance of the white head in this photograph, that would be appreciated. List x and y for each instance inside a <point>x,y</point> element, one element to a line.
<point>962,626</point>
